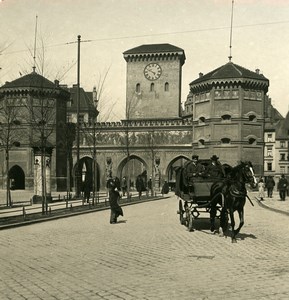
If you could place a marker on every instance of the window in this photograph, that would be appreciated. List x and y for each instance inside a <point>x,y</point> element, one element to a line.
<point>166,87</point>
<point>269,166</point>
<point>252,118</point>
<point>282,156</point>
<point>226,141</point>
<point>270,138</point>
<point>226,118</point>
<point>282,170</point>
<point>152,88</point>
<point>269,151</point>
<point>81,119</point>
<point>201,142</point>
<point>137,88</point>
<point>282,144</point>
<point>202,120</point>
<point>252,141</point>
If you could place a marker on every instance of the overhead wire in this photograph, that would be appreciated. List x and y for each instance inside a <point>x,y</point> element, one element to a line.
<point>151,35</point>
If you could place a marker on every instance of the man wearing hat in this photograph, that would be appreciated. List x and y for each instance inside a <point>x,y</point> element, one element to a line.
<point>192,169</point>
<point>215,168</point>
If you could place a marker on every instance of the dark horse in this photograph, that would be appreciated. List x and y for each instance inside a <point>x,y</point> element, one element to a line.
<point>231,194</point>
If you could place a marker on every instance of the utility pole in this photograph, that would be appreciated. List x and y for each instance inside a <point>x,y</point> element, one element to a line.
<point>77,171</point>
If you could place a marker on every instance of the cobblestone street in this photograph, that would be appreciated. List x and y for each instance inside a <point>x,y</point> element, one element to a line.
<point>147,255</point>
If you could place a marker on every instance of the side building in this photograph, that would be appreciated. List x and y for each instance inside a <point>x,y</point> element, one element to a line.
<point>228,107</point>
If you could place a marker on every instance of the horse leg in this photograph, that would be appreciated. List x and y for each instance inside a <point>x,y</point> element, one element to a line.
<point>213,213</point>
<point>223,221</point>
<point>233,225</point>
<point>241,217</point>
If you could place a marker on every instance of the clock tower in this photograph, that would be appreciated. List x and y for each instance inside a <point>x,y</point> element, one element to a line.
<point>154,75</point>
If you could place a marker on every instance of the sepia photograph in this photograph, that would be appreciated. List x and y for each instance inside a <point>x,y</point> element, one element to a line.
<point>144,149</point>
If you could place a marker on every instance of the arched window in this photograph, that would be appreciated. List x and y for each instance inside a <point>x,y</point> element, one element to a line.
<point>137,88</point>
<point>166,87</point>
<point>152,88</point>
<point>202,120</point>
<point>201,142</point>
<point>226,118</point>
<point>225,141</point>
<point>252,118</point>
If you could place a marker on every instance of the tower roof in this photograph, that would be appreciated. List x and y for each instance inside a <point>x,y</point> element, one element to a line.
<point>152,50</point>
<point>33,82</point>
<point>230,70</point>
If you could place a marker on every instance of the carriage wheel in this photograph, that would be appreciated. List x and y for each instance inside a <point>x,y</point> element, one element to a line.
<point>181,212</point>
<point>190,222</point>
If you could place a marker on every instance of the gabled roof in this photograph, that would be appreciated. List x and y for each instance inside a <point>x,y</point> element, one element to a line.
<point>282,131</point>
<point>230,70</point>
<point>154,48</point>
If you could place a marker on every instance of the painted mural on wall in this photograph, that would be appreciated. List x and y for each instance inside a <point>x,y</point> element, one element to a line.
<point>144,138</point>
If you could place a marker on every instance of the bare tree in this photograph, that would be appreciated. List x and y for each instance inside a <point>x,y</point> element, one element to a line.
<point>42,120</point>
<point>10,134</point>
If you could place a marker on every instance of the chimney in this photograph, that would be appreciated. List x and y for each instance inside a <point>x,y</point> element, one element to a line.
<point>56,82</point>
<point>201,75</point>
<point>257,71</point>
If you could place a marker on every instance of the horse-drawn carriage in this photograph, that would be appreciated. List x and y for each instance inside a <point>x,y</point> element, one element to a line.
<point>192,206</point>
<point>218,197</point>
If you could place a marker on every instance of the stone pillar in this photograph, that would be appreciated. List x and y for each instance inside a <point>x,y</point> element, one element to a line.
<point>157,173</point>
<point>40,176</point>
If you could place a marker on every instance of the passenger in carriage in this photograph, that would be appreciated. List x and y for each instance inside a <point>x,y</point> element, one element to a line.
<point>215,168</point>
<point>192,169</point>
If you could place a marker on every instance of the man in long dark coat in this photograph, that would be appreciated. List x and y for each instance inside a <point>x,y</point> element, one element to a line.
<point>114,196</point>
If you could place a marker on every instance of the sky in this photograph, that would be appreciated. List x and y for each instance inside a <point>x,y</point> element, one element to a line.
<point>260,39</point>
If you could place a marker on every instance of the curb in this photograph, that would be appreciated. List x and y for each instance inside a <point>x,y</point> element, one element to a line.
<point>271,208</point>
<point>36,221</point>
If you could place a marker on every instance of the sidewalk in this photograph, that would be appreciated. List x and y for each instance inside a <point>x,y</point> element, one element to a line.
<point>272,203</point>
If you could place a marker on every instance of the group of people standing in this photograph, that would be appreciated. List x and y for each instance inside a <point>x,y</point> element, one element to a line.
<point>269,185</point>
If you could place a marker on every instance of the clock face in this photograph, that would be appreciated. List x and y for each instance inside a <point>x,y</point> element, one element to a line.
<point>152,71</point>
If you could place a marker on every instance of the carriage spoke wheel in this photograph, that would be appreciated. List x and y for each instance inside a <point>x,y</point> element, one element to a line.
<point>190,222</point>
<point>181,212</point>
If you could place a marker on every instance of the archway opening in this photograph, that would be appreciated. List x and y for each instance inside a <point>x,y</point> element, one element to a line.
<point>88,176</point>
<point>171,170</point>
<point>131,169</point>
<point>17,178</point>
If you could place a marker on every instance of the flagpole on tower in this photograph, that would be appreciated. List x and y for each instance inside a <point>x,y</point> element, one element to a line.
<point>231,30</point>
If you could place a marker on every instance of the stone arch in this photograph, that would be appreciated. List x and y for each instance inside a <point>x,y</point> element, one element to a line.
<point>17,178</point>
<point>86,170</point>
<point>132,169</point>
<point>170,173</point>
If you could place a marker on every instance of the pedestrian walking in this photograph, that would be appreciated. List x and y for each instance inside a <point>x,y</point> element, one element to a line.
<point>165,188</point>
<point>114,196</point>
<point>282,187</point>
<point>261,189</point>
<point>150,186</point>
<point>269,185</point>
<point>124,186</point>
